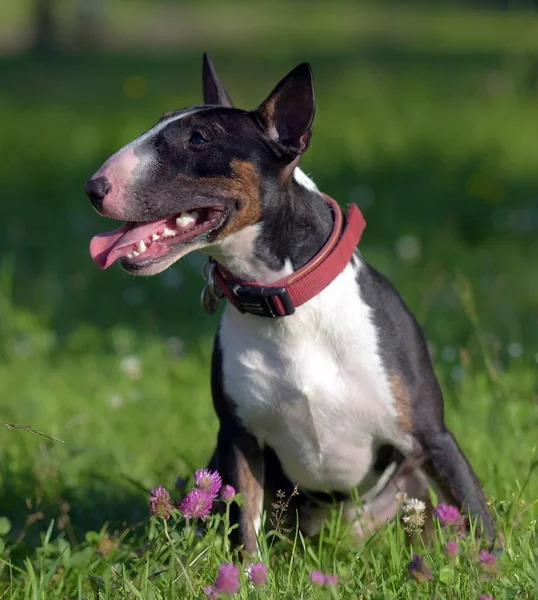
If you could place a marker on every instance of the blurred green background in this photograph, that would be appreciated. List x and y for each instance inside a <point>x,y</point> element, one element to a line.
<point>427,117</point>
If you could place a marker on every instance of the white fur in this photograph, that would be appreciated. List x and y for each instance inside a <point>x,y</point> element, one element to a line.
<point>119,167</point>
<point>312,386</point>
<point>302,179</point>
<point>258,518</point>
<point>237,253</point>
<point>160,126</point>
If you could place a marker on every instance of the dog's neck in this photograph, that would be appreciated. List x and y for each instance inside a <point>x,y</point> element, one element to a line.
<point>296,222</point>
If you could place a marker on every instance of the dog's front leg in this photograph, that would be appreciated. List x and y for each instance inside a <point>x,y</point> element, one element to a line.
<point>240,463</point>
<point>239,459</point>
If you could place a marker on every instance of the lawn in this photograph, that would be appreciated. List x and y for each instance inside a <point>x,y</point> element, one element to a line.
<point>428,119</point>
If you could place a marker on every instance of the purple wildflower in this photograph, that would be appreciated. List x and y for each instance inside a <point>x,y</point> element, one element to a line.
<point>317,577</point>
<point>418,569</point>
<point>320,578</point>
<point>196,504</point>
<point>447,514</point>
<point>210,592</point>
<point>227,493</point>
<point>227,579</point>
<point>208,481</point>
<point>485,597</point>
<point>487,561</point>
<point>180,483</point>
<point>160,503</point>
<point>258,573</point>
<point>452,548</point>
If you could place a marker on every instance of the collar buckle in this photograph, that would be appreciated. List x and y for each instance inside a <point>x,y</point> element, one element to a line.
<point>269,302</point>
<point>282,297</point>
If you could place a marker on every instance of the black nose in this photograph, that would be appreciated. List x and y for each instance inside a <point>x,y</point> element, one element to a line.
<point>96,190</point>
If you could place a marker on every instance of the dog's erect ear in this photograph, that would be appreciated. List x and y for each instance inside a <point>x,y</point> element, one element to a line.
<point>289,110</point>
<point>214,92</point>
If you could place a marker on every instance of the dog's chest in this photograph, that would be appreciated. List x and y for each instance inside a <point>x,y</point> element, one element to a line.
<point>312,386</point>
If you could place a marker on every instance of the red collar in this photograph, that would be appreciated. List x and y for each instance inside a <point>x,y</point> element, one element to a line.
<point>282,297</point>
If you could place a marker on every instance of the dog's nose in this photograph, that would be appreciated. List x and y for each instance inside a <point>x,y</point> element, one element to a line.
<point>96,190</point>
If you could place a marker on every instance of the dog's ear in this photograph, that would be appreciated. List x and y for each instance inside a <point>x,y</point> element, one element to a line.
<point>289,111</point>
<point>214,92</point>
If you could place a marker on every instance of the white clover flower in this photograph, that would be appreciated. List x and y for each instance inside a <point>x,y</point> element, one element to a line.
<point>413,515</point>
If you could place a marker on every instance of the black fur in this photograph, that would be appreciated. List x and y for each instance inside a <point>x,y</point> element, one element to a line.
<point>295,223</point>
<point>404,350</point>
<point>214,92</point>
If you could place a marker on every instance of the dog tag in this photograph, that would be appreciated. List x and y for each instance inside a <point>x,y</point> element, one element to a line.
<point>211,295</point>
<point>210,302</point>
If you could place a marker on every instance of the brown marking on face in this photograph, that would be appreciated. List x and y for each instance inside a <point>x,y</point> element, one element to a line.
<point>402,398</point>
<point>244,188</point>
<point>251,490</point>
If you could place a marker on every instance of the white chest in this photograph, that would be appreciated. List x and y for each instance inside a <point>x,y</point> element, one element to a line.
<point>312,385</point>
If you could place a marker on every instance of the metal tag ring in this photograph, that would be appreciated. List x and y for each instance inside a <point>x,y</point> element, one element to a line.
<point>216,291</point>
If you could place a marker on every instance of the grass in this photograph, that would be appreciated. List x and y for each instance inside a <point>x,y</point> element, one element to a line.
<point>437,142</point>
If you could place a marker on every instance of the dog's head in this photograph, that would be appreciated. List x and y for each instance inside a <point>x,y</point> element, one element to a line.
<point>200,174</point>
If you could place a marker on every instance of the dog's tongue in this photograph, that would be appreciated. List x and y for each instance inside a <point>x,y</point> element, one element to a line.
<point>107,247</point>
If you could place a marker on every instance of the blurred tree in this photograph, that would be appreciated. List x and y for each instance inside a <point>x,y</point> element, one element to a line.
<point>89,26</point>
<point>44,28</point>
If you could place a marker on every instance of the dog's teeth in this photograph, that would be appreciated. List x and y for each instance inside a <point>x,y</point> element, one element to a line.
<point>134,254</point>
<point>130,255</point>
<point>186,219</point>
<point>154,237</point>
<point>141,247</point>
<point>168,232</point>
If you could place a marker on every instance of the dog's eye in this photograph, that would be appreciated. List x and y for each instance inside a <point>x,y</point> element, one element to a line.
<point>197,138</point>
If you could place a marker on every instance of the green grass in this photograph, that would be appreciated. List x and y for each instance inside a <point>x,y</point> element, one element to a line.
<point>428,119</point>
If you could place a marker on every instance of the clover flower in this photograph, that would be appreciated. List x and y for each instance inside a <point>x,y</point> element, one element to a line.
<point>208,481</point>
<point>258,573</point>
<point>196,504</point>
<point>452,548</point>
<point>320,578</point>
<point>414,515</point>
<point>419,570</point>
<point>227,579</point>
<point>488,561</point>
<point>210,592</point>
<point>160,503</point>
<point>227,493</point>
<point>447,514</point>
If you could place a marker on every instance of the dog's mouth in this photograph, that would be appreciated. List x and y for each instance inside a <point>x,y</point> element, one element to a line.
<point>141,244</point>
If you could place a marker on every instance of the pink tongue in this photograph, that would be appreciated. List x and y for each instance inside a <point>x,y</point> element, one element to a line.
<point>106,248</point>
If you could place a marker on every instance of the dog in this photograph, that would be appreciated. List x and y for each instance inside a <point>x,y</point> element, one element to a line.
<point>321,377</point>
